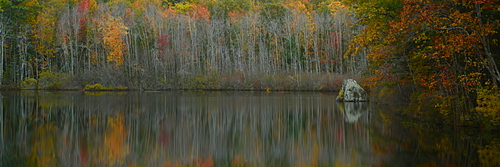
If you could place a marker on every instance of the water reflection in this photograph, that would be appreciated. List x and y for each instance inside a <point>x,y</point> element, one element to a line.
<point>353,110</point>
<point>210,129</point>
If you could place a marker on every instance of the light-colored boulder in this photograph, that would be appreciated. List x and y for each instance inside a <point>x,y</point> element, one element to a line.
<point>352,92</point>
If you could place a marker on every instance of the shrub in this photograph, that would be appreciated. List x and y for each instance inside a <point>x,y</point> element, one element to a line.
<point>56,85</point>
<point>120,88</point>
<point>49,80</point>
<point>117,88</point>
<point>340,97</point>
<point>95,87</point>
<point>29,83</point>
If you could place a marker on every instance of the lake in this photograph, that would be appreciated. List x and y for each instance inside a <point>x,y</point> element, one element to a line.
<point>223,128</point>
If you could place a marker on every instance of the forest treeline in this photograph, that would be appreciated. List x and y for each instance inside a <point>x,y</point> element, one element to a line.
<point>169,44</point>
<point>438,55</point>
<point>441,55</point>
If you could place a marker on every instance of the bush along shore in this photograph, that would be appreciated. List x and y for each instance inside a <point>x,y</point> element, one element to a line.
<point>235,81</point>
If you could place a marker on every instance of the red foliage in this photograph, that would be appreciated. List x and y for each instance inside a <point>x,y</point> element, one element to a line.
<point>128,13</point>
<point>83,8</point>
<point>200,12</point>
<point>163,43</point>
<point>336,39</point>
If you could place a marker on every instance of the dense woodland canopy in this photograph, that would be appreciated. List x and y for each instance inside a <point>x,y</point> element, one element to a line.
<point>441,55</point>
<point>444,53</point>
<point>159,44</point>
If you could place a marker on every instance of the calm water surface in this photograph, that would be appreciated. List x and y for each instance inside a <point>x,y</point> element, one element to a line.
<point>222,129</point>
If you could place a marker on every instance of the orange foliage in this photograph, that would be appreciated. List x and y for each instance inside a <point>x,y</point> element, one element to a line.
<point>200,12</point>
<point>45,34</point>
<point>169,13</point>
<point>298,6</point>
<point>138,5</point>
<point>115,147</point>
<point>113,30</point>
<point>438,41</point>
<point>431,44</point>
<point>235,15</point>
<point>205,162</point>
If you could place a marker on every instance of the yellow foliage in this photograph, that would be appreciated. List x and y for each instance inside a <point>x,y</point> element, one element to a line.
<point>490,153</point>
<point>95,87</point>
<point>298,6</point>
<point>117,2</point>
<point>337,7</point>
<point>341,94</point>
<point>489,105</point>
<point>182,7</point>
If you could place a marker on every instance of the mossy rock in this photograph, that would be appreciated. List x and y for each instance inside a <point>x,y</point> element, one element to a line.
<point>352,92</point>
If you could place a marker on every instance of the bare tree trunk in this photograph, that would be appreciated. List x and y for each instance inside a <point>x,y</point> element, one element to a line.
<point>491,64</point>
<point>3,35</point>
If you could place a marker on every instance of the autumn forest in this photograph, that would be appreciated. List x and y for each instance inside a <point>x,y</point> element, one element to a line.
<point>440,57</point>
<point>154,44</point>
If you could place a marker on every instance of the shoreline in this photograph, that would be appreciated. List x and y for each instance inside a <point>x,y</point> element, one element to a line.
<point>145,90</point>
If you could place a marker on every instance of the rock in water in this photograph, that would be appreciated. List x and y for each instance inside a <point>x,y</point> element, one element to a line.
<point>352,92</point>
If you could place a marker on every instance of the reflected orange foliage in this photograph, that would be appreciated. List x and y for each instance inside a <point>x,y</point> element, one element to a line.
<point>43,152</point>
<point>115,147</point>
<point>205,162</point>
<point>238,160</point>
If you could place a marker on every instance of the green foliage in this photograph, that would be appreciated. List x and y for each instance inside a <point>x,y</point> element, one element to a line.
<point>99,87</point>
<point>9,87</point>
<point>322,7</point>
<point>209,82</point>
<point>49,80</point>
<point>29,83</point>
<point>223,8</point>
<point>55,86</point>
<point>272,11</point>
<point>4,4</point>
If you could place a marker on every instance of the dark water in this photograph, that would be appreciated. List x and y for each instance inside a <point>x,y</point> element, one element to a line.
<point>223,129</point>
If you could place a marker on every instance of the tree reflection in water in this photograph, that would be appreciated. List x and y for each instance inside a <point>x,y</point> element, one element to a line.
<point>353,110</point>
<point>214,129</point>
